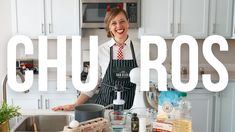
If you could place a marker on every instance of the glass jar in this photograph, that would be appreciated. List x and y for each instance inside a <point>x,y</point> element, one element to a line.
<point>183,119</point>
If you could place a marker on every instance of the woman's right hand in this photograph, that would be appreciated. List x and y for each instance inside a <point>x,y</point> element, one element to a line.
<point>69,107</point>
<point>81,100</point>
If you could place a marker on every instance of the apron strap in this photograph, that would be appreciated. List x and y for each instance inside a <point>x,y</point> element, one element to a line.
<point>133,52</point>
<point>111,53</point>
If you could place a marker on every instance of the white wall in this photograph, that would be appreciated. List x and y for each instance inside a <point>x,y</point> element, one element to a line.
<point>5,34</point>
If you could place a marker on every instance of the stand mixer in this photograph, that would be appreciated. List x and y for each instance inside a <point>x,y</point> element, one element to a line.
<point>141,99</point>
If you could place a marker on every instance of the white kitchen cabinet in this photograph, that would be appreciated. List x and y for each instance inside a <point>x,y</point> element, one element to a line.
<point>45,17</point>
<point>191,18</point>
<point>53,98</point>
<point>202,112</point>
<point>157,17</point>
<point>221,16</point>
<point>62,17</point>
<point>227,109</point>
<point>43,100</point>
<point>170,18</point>
<point>61,98</point>
<point>28,17</point>
<point>25,101</point>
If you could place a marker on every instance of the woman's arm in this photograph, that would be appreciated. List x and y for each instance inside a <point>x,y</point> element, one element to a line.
<point>83,98</point>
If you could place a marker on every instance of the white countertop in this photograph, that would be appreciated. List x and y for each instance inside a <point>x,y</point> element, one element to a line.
<point>32,112</point>
<point>45,112</point>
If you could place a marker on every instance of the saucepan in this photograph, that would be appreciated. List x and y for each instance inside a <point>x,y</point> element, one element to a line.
<point>90,111</point>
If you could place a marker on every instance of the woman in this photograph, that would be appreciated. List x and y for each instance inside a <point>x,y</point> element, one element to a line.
<point>116,59</point>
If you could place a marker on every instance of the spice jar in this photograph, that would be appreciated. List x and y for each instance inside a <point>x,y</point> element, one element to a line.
<point>134,123</point>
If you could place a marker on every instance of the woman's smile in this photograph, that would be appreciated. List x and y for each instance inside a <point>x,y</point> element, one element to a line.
<point>120,31</point>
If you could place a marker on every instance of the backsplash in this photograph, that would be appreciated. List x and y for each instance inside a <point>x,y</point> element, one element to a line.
<point>225,57</point>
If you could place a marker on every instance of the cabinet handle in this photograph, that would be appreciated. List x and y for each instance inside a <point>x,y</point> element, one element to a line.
<point>218,94</point>
<point>39,104</point>
<point>213,28</point>
<point>43,28</point>
<point>47,103</point>
<point>171,27</point>
<point>179,28</point>
<point>50,29</point>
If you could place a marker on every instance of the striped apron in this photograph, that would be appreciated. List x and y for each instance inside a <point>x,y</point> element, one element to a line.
<point>118,71</point>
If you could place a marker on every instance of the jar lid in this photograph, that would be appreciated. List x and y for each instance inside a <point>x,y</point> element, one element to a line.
<point>134,114</point>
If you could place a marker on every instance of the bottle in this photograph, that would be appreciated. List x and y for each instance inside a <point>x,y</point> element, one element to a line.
<point>134,123</point>
<point>183,119</point>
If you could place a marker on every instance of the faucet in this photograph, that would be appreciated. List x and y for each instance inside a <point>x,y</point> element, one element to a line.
<point>5,85</point>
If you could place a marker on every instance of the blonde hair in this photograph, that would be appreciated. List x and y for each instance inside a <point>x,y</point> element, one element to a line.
<point>110,15</point>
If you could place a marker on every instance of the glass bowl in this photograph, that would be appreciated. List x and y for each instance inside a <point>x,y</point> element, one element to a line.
<point>117,120</point>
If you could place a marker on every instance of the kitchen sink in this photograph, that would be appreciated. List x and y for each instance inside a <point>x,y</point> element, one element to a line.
<point>43,123</point>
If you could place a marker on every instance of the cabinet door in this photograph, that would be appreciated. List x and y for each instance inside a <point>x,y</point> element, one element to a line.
<point>191,18</point>
<point>157,18</point>
<point>57,99</point>
<point>221,17</point>
<point>29,17</point>
<point>26,101</point>
<point>53,98</point>
<point>62,17</point>
<point>227,109</point>
<point>202,110</point>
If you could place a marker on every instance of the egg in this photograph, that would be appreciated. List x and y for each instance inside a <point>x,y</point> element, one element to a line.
<point>74,124</point>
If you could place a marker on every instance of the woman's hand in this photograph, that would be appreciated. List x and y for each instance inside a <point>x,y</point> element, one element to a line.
<point>69,107</point>
<point>81,100</point>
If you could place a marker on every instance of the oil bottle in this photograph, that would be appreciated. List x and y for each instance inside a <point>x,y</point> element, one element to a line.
<point>134,123</point>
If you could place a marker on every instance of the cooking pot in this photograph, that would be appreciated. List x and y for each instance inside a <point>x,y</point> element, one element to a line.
<point>86,112</point>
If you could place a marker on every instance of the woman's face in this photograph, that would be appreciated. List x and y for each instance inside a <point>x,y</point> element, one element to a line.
<point>119,26</point>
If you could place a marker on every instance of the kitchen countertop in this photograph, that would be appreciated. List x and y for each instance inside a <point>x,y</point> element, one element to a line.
<point>45,112</point>
<point>33,112</point>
